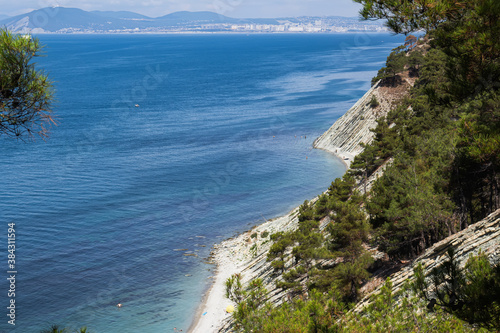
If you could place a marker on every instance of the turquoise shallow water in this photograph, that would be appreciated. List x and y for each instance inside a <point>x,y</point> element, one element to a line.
<point>218,143</point>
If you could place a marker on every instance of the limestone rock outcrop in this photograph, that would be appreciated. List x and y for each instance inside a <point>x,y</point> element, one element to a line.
<point>482,236</point>
<point>345,136</point>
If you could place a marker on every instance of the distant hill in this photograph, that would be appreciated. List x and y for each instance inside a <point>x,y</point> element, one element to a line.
<point>190,18</point>
<point>203,17</point>
<point>2,17</point>
<point>59,18</point>
<point>121,15</point>
<point>68,20</point>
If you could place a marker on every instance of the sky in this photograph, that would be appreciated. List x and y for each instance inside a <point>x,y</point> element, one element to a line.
<point>231,8</point>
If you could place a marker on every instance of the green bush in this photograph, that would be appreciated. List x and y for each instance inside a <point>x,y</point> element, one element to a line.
<point>278,265</point>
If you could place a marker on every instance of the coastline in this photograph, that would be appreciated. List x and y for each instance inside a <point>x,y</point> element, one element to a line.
<point>194,32</point>
<point>235,255</point>
<point>344,156</point>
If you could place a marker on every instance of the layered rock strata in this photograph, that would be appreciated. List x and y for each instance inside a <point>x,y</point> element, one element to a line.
<point>351,130</point>
<point>482,236</point>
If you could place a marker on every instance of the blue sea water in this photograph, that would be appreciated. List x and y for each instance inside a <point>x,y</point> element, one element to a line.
<point>221,140</point>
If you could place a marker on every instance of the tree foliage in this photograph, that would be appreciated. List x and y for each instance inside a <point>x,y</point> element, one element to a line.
<point>472,293</point>
<point>389,311</point>
<point>394,65</point>
<point>25,92</point>
<point>400,311</point>
<point>59,329</point>
<point>467,30</point>
<point>444,151</point>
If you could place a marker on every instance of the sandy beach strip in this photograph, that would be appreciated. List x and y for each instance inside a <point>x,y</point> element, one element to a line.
<point>236,255</point>
<point>212,312</point>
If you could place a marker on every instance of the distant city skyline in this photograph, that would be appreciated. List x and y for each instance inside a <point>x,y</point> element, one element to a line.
<point>231,8</point>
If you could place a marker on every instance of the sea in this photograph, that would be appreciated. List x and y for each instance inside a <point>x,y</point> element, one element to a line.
<point>164,146</point>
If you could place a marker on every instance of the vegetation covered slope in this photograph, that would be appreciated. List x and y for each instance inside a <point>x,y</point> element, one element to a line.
<point>444,144</point>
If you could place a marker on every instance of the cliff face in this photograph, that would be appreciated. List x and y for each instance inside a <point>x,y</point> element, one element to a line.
<point>354,127</point>
<point>344,139</point>
<point>247,255</point>
<point>482,236</point>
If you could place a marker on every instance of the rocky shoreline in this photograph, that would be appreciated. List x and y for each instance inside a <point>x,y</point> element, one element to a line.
<point>346,135</point>
<point>246,254</point>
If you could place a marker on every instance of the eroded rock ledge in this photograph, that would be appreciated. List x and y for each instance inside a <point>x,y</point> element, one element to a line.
<point>345,136</point>
<point>482,236</point>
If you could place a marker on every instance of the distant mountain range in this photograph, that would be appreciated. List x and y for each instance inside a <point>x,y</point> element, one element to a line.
<point>73,20</point>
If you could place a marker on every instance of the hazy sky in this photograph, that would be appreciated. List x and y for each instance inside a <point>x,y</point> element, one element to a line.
<point>232,8</point>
